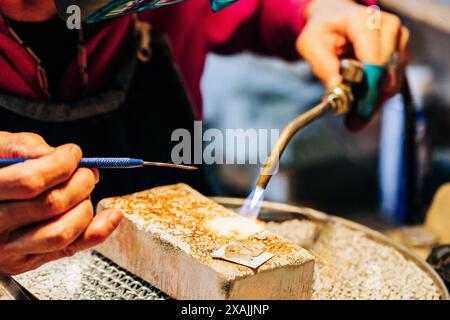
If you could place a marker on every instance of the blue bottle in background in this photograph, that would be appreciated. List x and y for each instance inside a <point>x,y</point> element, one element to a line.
<point>402,170</point>
<point>393,161</point>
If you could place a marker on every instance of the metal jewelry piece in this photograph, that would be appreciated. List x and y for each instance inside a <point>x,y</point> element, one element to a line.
<point>247,253</point>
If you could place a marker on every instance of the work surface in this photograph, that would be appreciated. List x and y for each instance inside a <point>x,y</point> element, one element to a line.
<point>192,248</point>
<point>88,276</point>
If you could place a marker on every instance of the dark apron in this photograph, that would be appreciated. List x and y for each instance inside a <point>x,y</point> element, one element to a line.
<point>152,104</point>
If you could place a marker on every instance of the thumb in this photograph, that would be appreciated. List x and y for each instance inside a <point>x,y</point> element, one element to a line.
<point>23,145</point>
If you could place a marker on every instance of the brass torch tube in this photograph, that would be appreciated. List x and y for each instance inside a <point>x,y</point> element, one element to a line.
<point>286,136</point>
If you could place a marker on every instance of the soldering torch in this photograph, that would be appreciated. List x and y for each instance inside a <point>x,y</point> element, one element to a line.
<point>358,89</point>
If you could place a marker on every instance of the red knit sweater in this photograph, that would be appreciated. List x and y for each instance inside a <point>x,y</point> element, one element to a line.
<point>265,26</point>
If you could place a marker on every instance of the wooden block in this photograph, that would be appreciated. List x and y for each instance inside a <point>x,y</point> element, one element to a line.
<point>438,216</point>
<point>170,233</point>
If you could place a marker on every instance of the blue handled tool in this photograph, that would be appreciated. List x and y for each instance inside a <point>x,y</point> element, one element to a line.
<point>108,163</point>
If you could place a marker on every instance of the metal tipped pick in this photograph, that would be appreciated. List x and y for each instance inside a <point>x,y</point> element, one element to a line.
<point>169,165</point>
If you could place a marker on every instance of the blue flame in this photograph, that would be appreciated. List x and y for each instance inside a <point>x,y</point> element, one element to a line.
<point>252,205</point>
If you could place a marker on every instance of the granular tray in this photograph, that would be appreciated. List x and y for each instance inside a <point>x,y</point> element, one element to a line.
<point>88,275</point>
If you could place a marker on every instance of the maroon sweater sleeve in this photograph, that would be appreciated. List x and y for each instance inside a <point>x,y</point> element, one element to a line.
<point>265,26</point>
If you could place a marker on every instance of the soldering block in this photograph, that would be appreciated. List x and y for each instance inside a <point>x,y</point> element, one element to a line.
<point>170,233</point>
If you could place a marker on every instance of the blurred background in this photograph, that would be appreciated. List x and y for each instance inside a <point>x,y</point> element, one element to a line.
<point>387,173</point>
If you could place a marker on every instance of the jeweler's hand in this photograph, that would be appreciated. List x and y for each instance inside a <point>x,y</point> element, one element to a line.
<point>45,209</point>
<point>342,28</point>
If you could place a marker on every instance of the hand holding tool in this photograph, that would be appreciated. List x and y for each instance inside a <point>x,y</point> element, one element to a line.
<point>108,163</point>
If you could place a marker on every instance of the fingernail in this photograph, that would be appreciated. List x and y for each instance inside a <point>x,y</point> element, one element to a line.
<point>96,175</point>
<point>115,217</point>
<point>76,151</point>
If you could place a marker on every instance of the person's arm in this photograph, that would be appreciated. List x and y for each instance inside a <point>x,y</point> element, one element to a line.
<point>45,207</point>
<point>320,31</point>
<point>268,27</point>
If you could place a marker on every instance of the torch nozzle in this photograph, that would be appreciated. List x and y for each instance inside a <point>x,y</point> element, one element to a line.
<point>272,163</point>
<point>338,100</point>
